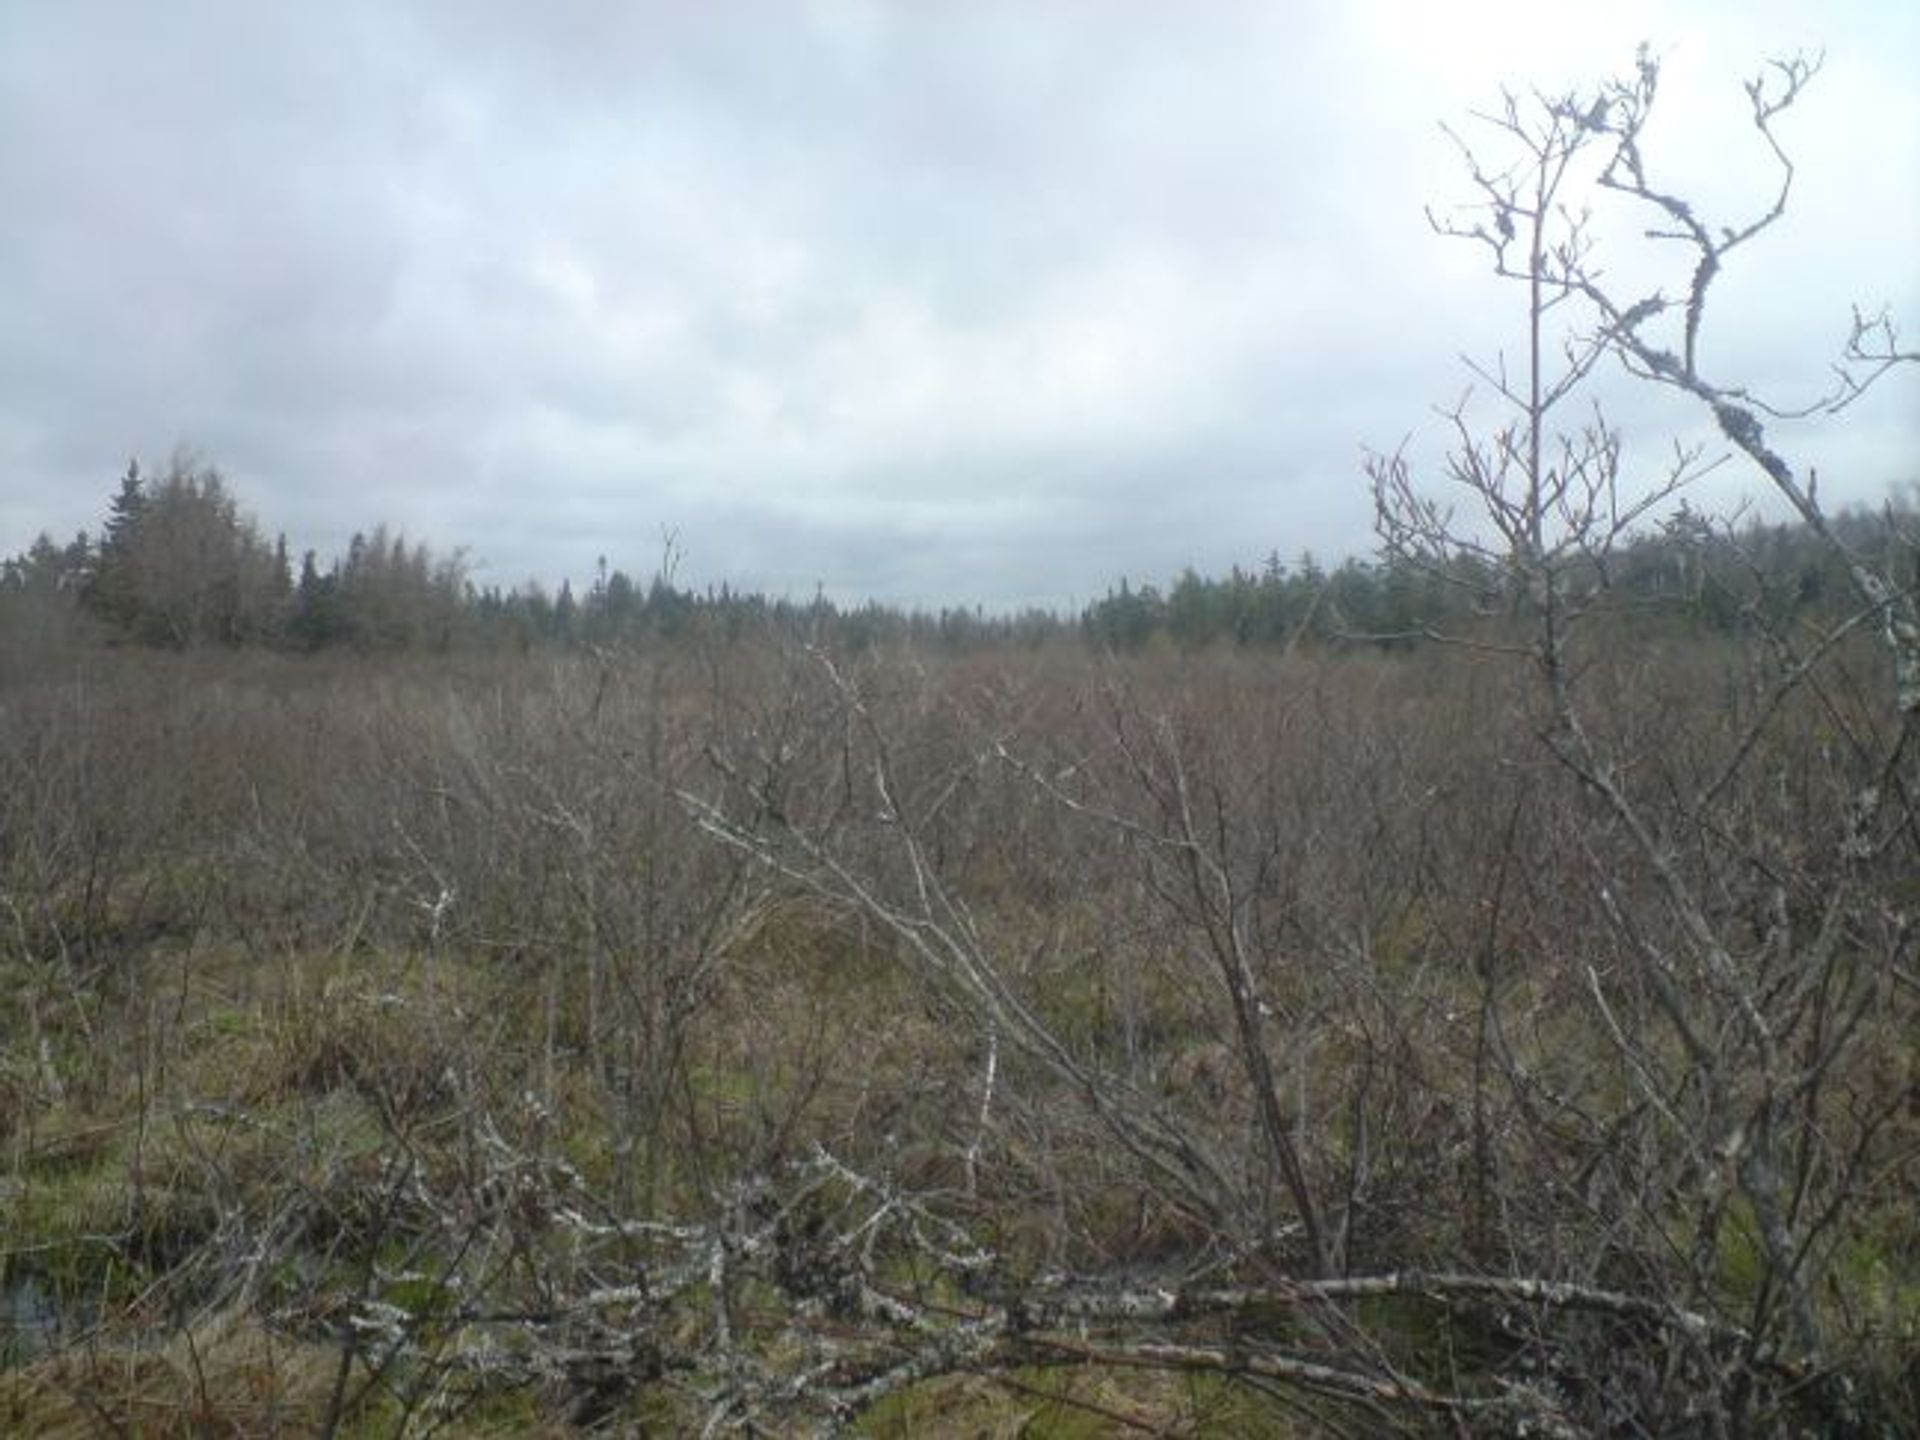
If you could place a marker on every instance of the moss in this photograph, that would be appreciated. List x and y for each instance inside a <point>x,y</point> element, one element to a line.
<point>1737,1251</point>
<point>1079,1403</point>
<point>1880,1279</point>
<point>424,1298</point>
<point>728,1089</point>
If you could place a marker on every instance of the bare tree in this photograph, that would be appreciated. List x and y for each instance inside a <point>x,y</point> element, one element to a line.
<point>1749,957</point>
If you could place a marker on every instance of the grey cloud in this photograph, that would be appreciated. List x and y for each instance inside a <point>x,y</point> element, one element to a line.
<point>961,303</point>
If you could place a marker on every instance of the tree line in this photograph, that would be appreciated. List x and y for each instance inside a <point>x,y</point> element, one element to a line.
<point>1688,570</point>
<point>177,563</point>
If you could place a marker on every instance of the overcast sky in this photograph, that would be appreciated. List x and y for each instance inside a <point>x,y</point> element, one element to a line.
<point>932,302</point>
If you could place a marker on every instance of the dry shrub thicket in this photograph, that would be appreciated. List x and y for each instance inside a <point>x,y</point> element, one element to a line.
<point>1513,1034</point>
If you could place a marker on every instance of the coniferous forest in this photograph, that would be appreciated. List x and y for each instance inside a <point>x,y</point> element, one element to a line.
<point>179,565</point>
<point>1467,990</point>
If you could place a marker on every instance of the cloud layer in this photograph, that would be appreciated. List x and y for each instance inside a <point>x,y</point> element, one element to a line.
<point>941,304</point>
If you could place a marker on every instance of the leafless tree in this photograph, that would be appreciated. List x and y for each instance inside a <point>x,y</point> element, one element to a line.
<point>1749,950</point>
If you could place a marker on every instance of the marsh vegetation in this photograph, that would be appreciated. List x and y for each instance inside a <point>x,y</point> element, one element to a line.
<point>753,1017</point>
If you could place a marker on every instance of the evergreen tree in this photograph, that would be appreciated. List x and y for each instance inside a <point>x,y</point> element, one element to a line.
<point>112,591</point>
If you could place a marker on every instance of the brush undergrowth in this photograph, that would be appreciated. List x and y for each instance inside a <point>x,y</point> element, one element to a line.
<point>361,1020</point>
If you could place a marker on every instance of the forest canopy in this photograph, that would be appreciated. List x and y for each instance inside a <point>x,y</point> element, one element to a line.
<point>178,563</point>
